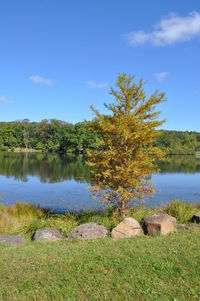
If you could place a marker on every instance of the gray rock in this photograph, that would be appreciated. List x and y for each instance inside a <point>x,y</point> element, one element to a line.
<point>159,223</point>
<point>196,218</point>
<point>129,227</point>
<point>47,234</point>
<point>88,231</point>
<point>12,239</point>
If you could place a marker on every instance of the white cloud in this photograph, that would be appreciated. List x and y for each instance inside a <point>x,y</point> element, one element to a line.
<point>37,79</point>
<point>160,76</point>
<point>4,100</point>
<point>95,85</point>
<point>168,31</point>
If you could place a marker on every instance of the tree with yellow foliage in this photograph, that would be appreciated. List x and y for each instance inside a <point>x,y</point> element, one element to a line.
<point>122,166</point>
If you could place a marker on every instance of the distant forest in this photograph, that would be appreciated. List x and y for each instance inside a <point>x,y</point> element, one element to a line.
<point>73,139</point>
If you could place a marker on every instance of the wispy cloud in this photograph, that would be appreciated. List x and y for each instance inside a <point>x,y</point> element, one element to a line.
<point>170,30</point>
<point>37,79</point>
<point>160,76</point>
<point>4,100</point>
<point>93,85</point>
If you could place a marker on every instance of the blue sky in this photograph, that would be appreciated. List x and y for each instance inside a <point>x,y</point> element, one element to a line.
<point>58,57</point>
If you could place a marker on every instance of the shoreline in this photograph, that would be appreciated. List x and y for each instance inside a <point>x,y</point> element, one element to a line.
<point>30,150</point>
<point>23,150</point>
<point>26,218</point>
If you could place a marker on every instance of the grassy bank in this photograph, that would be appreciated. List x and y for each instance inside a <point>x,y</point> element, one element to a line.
<point>141,268</point>
<point>25,218</point>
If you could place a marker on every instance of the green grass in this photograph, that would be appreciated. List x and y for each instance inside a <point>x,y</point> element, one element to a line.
<point>141,268</point>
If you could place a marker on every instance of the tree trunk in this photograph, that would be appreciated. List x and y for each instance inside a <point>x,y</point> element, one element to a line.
<point>123,211</point>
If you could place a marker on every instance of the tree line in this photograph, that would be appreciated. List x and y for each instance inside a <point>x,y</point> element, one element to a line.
<point>179,142</point>
<point>47,136</point>
<point>73,139</point>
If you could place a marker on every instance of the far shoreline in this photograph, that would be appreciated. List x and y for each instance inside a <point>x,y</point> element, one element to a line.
<point>31,150</point>
<point>23,150</point>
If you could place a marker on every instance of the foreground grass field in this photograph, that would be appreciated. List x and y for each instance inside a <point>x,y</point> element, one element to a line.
<point>141,268</point>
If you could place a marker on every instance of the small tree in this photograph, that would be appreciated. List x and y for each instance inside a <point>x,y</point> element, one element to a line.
<point>122,165</point>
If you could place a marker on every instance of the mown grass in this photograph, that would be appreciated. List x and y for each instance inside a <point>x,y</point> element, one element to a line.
<point>141,268</point>
<point>25,219</point>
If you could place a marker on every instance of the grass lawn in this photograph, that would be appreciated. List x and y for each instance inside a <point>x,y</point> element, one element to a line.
<point>141,268</point>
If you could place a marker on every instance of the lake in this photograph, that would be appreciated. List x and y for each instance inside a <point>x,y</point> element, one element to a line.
<point>53,181</point>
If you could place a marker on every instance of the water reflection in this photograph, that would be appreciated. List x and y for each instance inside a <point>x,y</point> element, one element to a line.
<point>56,182</point>
<point>49,168</point>
<point>52,168</point>
<point>180,164</point>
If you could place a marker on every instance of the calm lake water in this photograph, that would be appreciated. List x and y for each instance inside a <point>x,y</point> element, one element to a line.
<point>56,182</point>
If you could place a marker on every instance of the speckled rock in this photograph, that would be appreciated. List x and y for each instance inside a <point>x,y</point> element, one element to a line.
<point>47,234</point>
<point>12,239</point>
<point>88,231</point>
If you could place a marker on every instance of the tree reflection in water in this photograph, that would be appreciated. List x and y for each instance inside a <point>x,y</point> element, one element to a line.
<point>49,168</point>
<point>53,168</point>
<point>180,164</point>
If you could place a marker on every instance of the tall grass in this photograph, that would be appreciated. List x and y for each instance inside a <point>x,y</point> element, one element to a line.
<point>181,210</point>
<point>14,218</point>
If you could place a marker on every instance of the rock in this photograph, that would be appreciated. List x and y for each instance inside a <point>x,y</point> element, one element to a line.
<point>88,231</point>
<point>127,228</point>
<point>196,218</point>
<point>12,239</point>
<point>159,223</point>
<point>47,234</point>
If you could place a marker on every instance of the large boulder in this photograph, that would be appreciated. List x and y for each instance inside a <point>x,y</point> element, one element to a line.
<point>196,218</point>
<point>12,239</point>
<point>129,227</point>
<point>88,231</point>
<point>159,223</point>
<point>47,234</point>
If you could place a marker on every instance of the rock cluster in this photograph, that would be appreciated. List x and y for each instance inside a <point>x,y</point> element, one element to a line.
<point>152,224</point>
